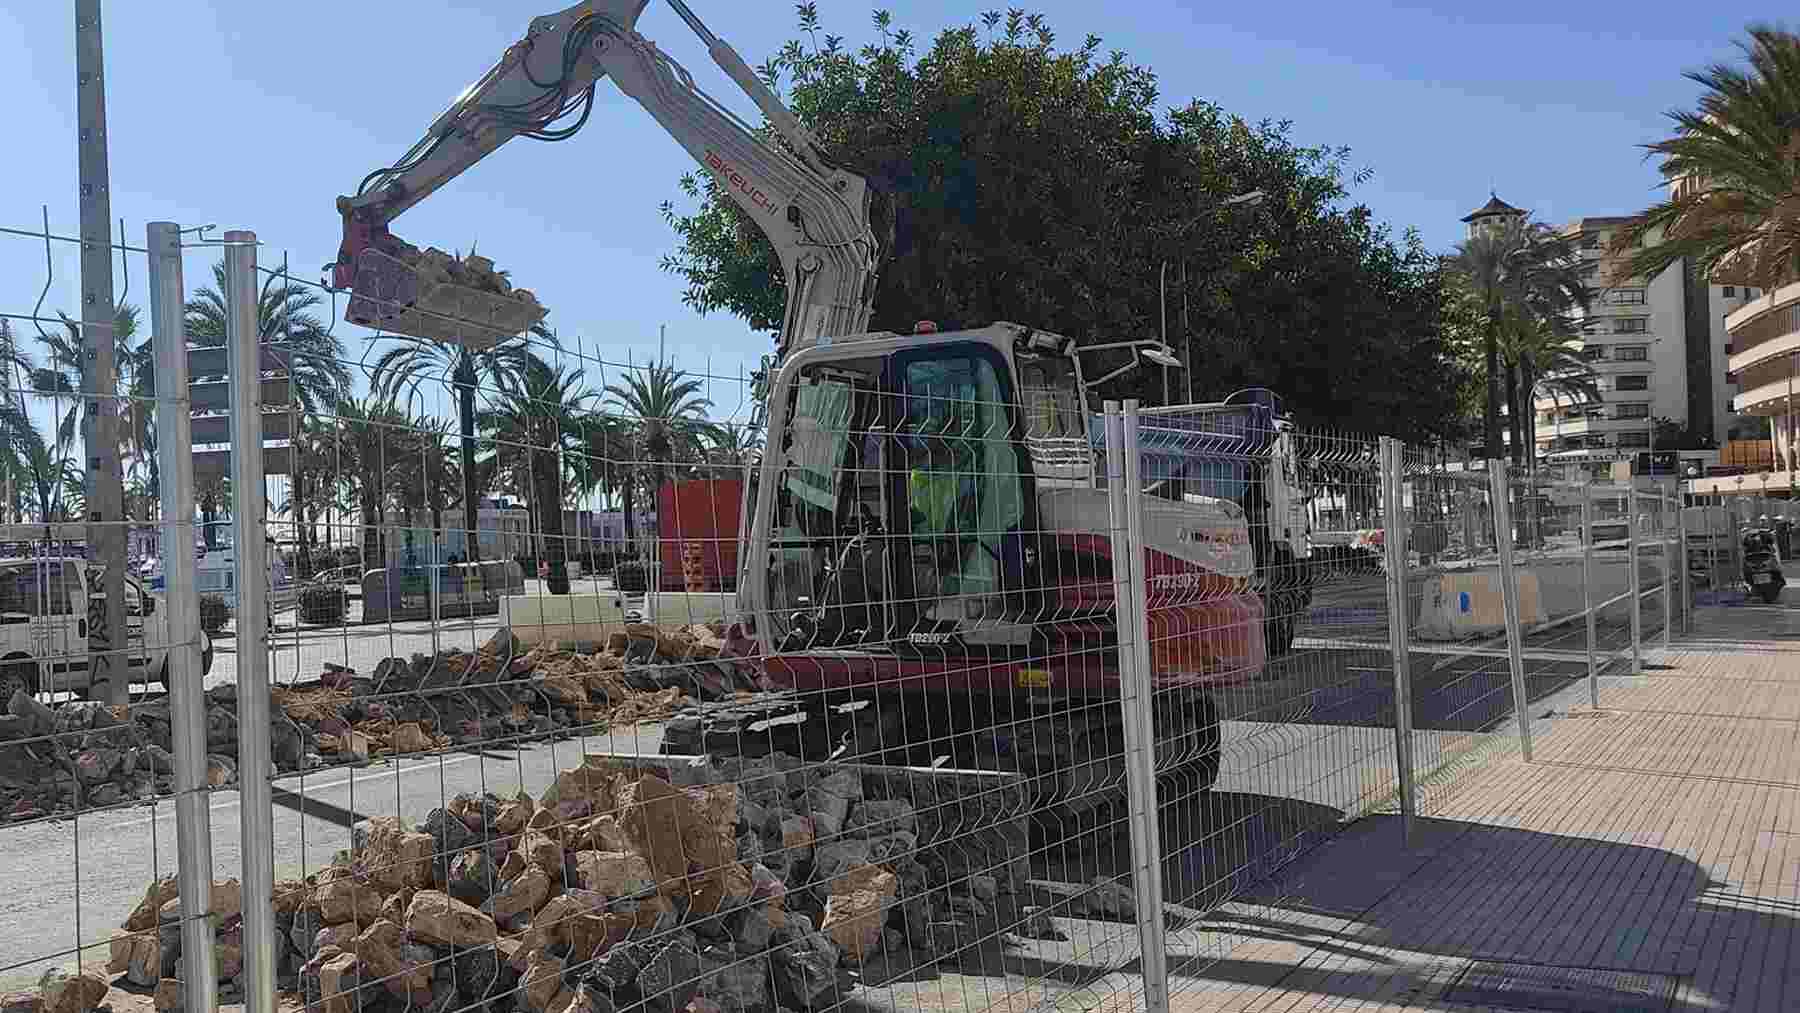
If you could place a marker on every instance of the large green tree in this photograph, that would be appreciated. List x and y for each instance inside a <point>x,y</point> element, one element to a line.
<point>1737,214</point>
<point>1017,181</point>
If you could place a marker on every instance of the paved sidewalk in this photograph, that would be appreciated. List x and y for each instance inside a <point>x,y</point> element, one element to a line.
<point>1659,835</point>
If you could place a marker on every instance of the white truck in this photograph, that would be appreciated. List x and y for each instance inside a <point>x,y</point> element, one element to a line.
<point>44,627</point>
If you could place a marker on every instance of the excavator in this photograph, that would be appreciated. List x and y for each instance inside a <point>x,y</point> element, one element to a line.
<point>927,558</point>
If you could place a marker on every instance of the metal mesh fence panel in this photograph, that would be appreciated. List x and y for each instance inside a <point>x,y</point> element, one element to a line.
<point>87,764</point>
<point>1268,632</point>
<point>870,754</point>
<point>1461,690</point>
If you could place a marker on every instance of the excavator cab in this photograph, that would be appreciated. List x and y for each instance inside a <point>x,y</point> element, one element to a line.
<point>905,516</point>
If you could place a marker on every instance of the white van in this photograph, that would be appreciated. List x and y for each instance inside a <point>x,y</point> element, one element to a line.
<point>44,627</point>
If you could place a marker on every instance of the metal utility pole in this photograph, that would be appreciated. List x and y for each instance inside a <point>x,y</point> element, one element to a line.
<point>105,619</point>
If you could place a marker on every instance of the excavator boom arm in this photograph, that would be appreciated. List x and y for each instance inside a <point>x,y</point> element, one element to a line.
<point>815,216</point>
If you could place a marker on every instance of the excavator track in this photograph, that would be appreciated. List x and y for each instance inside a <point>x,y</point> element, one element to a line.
<point>1071,750</point>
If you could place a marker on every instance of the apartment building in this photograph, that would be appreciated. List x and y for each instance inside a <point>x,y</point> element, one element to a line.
<point>1657,347</point>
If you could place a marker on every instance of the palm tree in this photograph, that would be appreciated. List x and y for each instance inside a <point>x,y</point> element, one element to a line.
<point>416,360</point>
<point>665,405</point>
<point>1545,358</point>
<point>1736,211</point>
<point>284,319</point>
<point>373,443</point>
<point>535,429</point>
<point>1524,268</point>
<point>213,493</point>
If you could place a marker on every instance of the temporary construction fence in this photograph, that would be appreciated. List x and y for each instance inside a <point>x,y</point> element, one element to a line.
<point>999,694</point>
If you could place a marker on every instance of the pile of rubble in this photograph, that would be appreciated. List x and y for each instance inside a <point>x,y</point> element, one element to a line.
<point>83,755</point>
<point>679,885</point>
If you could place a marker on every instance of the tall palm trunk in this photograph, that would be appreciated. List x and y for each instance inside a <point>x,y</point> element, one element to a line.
<point>465,407</point>
<point>1516,421</point>
<point>547,493</point>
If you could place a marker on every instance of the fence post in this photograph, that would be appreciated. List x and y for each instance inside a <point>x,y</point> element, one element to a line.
<point>1125,501</point>
<point>181,607</point>
<point>243,347</point>
<point>1668,551</point>
<point>1394,542</point>
<point>1635,576</point>
<point>1500,489</point>
<point>1587,593</point>
<point>1687,590</point>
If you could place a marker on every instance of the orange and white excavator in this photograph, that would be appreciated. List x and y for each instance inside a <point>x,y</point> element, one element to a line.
<point>927,557</point>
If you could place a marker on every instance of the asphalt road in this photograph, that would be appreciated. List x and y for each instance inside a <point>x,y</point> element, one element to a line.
<point>1305,747</point>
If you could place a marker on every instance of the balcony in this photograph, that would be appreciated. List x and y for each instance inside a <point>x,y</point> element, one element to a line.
<point>1765,341</point>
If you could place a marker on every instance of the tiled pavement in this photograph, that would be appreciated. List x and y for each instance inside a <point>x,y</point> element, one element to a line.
<point>1660,834</point>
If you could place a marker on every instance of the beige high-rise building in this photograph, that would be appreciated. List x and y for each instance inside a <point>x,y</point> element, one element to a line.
<point>1657,347</point>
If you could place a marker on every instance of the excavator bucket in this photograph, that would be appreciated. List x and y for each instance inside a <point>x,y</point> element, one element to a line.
<point>433,295</point>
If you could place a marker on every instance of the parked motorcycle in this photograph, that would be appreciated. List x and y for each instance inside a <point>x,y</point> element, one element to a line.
<point>1762,565</point>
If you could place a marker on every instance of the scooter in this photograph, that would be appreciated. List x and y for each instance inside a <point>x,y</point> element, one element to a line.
<point>1762,565</point>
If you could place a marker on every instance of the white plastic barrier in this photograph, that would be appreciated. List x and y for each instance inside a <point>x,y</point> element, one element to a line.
<point>1469,604</point>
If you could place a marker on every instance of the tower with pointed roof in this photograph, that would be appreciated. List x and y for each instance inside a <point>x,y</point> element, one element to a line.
<point>1492,215</point>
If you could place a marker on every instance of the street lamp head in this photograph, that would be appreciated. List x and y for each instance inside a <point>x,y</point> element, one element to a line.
<point>1250,199</point>
<point>1162,355</point>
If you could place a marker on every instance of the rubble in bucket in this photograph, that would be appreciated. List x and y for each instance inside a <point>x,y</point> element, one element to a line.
<point>83,755</point>
<point>668,884</point>
<point>437,295</point>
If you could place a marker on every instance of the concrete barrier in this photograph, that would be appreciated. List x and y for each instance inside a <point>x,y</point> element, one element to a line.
<point>682,608</point>
<point>569,618</point>
<point>1467,603</point>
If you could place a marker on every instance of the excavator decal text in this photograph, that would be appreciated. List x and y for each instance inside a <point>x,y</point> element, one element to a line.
<point>734,179</point>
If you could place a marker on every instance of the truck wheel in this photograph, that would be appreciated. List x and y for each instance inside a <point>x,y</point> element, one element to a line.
<point>18,676</point>
<point>1770,593</point>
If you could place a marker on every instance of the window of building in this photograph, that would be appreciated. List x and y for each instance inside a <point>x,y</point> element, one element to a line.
<point>1593,353</point>
<point>1629,297</point>
<point>1632,353</point>
<point>1631,325</point>
<point>1731,291</point>
<point>1638,381</point>
<point>1634,439</point>
<point>1634,410</point>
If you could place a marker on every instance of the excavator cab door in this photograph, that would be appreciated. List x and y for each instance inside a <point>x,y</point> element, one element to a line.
<point>964,542</point>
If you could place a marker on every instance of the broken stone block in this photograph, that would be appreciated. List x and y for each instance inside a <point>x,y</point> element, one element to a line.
<point>614,873</point>
<point>72,993</point>
<point>520,896</point>
<point>346,900</point>
<point>829,801</point>
<point>144,916</point>
<point>856,911</point>
<point>340,984</point>
<point>442,920</point>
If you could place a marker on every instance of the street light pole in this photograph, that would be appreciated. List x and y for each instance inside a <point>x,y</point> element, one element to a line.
<point>1251,199</point>
<point>108,675</point>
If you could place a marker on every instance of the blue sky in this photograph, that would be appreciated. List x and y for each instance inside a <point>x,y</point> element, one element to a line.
<point>258,115</point>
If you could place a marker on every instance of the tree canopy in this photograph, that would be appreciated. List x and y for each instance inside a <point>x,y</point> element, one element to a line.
<point>1018,181</point>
